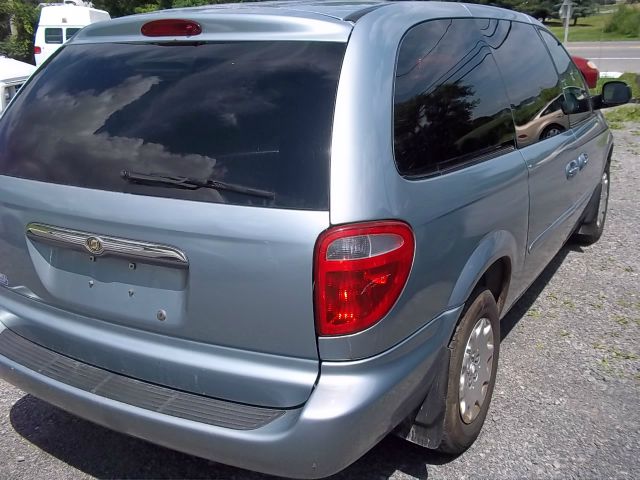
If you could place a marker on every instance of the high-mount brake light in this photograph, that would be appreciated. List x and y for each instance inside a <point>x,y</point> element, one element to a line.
<point>360,271</point>
<point>171,28</point>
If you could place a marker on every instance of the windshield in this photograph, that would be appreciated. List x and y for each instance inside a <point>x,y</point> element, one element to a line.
<point>257,114</point>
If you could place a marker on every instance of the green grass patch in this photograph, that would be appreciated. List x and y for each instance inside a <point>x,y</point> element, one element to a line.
<point>588,29</point>
<point>621,320</point>
<point>626,21</point>
<point>624,113</point>
<point>535,313</point>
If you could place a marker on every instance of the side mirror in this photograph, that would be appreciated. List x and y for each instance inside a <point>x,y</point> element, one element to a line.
<point>613,94</point>
<point>574,100</point>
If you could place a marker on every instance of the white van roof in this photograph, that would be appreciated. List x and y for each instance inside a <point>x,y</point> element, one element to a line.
<point>59,15</point>
<point>11,69</point>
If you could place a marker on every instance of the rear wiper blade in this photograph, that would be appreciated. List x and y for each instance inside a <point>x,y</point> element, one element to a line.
<point>192,183</point>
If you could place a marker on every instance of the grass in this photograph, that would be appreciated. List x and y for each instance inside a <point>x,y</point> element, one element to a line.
<point>621,320</point>
<point>533,312</point>
<point>625,113</point>
<point>589,29</point>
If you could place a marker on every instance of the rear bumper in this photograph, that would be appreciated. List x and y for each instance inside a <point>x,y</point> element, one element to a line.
<point>353,405</point>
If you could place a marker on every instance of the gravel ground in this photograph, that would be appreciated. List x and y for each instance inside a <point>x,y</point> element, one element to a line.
<point>565,403</point>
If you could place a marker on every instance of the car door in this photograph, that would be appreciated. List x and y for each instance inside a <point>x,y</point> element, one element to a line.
<point>546,142</point>
<point>588,127</point>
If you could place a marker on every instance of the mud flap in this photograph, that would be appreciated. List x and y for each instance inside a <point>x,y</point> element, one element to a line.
<point>424,426</point>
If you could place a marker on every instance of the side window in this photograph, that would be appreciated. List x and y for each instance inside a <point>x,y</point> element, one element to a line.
<point>52,35</point>
<point>70,32</point>
<point>531,80</point>
<point>449,105</point>
<point>576,93</point>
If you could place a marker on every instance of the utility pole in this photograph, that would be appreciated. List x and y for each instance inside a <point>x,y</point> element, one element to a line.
<point>565,14</point>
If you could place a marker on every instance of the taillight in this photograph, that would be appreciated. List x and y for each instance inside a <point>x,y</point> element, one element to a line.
<point>360,271</point>
<point>37,50</point>
<point>171,27</point>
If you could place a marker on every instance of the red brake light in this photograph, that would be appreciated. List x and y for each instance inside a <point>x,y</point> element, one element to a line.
<point>360,271</point>
<point>37,50</point>
<point>171,28</point>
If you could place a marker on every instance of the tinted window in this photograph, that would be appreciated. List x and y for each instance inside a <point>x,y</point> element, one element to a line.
<point>52,35</point>
<point>576,93</point>
<point>531,80</point>
<point>449,107</point>
<point>70,32</point>
<point>257,114</point>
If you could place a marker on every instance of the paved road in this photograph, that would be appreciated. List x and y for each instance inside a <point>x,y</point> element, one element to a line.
<point>609,56</point>
<point>565,403</point>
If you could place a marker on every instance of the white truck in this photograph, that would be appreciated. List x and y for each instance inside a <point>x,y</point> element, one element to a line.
<point>58,23</point>
<point>12,75</point>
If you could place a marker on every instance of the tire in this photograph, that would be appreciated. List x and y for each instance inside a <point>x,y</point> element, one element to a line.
<point>592,226</point>
<point>461,429</point>
<point>551,131</point>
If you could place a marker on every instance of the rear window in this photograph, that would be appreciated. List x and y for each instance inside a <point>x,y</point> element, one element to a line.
<point>53,35</point>
<point>256,114</point>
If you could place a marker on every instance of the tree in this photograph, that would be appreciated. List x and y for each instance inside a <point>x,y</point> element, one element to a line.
<point>582,8</point>
<point>540,9</point>
<point>120,8</point>
<point>17,41</point>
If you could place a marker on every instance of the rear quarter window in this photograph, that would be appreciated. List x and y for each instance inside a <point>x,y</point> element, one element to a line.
<point>257,114</point>
<point>450,108</point>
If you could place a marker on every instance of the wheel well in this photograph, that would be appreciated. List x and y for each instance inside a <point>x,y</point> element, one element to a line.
<point>496,278</point>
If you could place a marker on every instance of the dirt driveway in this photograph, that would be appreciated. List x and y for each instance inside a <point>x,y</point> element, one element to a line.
<point>566,404</point>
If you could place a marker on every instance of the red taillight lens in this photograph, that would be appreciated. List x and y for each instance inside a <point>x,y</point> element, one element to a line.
<point>37,50</point>
<point>359,273</point>
<point>171,28</point>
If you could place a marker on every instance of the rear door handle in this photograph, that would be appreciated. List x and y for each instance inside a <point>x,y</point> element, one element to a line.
<point>572,169</point>
<point>583,159</point>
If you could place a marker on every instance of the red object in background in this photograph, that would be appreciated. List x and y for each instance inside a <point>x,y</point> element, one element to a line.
<point>589,70</point>
<point>37,50</point>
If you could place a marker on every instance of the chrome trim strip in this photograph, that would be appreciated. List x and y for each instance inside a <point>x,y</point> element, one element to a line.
<point>110,246</point>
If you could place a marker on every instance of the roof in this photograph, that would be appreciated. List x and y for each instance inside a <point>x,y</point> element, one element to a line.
<point>347,10</point>
<point>340,9</point>
<point>11,69</point>
<point>71,15</point>
<point>321,20</point>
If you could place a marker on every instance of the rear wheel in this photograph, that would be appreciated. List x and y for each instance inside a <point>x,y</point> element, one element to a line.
<point>593,224</point>
<point>472,373</point>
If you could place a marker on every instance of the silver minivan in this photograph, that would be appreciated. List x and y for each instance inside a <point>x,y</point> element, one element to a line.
<point>270,234</point>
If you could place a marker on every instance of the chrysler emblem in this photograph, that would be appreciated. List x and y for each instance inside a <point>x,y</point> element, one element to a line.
<point>94,245</point>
